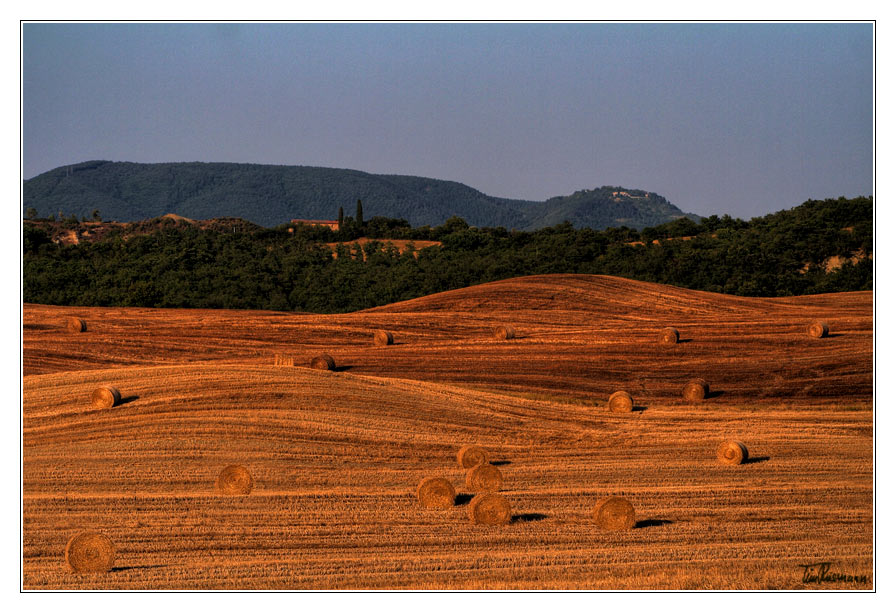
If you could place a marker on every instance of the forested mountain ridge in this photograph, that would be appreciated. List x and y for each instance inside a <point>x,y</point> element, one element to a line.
<point>269,195</point>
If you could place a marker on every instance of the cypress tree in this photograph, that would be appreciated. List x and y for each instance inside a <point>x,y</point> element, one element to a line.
<point>360,216</point>
<point>341,217</point>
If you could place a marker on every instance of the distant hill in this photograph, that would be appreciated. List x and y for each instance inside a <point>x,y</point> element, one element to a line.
<point>613,206</point>
<point>269,195</point>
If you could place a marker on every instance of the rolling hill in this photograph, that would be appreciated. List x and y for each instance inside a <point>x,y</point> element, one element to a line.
<point>270,195</point>
<point>336,456</point>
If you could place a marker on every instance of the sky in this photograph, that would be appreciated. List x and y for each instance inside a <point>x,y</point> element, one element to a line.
<point>737,118</point>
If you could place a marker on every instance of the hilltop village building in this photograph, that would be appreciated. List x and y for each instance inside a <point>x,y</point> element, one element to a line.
<point>333,225</point>
<point>617,195</point>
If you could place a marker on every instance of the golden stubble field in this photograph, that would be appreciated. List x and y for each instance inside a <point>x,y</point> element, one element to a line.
<point>337,456</point>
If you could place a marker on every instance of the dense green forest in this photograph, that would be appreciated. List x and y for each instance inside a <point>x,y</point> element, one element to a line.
<point>177,264</point>
<point>269,195</point>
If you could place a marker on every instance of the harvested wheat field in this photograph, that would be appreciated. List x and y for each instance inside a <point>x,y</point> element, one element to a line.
<point>336,457</point>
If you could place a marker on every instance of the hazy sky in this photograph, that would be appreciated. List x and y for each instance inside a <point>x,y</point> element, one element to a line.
<point>743,119</point>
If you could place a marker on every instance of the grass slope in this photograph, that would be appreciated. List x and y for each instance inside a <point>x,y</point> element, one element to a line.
<point>337,455</point>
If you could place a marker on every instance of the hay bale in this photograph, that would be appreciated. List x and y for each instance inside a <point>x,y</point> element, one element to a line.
<point>323,362</point>
<point>75,324</point>
<point>818,329</point>
<point>621,402</point>
<point>490,509</point>
<point>105,397</point>
<point>484,478</point>
<point>614,513</point>
<point>504,333</point>
<point>695,390</point>
<point>436,493</point>
<point>235,480</point>
<point>90,552</point>
<point>282,360</point>
<point>732,452</point>
<point>381,337</point>
<point>470,456</point>
<point>669,336</point>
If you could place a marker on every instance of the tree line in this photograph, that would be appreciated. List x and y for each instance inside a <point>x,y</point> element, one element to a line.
<point>290,268</point>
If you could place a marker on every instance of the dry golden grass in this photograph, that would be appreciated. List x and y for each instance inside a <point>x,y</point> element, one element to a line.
<point>336,455</point>
<point>402,245</point>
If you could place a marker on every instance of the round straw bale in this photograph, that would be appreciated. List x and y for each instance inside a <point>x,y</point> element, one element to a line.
<point>490,509</point>
<point>732,452</point>
<point>90,552</point>
<point>484,478</point>
<point>614,513</point>
<point>235,480</point>
<point>381,337</point>
<point>621,402</point>
<point>504,333</point>
<point>436,493</point>
<point>695,390</point>
<point>105,397</point>
<point>818,329</point>
<point>75,324</point>
<point>470,456</point>
<point>323,362</point>
<point>669,336</point>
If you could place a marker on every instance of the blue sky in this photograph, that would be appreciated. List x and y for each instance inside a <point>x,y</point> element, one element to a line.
<point>743,119</point>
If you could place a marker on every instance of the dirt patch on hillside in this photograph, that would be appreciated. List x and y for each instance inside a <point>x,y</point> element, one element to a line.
<point>403,246</point>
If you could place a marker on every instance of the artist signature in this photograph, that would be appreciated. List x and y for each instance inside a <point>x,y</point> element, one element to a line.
<point>820,572</point>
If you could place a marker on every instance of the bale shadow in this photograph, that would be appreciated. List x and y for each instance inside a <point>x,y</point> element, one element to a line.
<point>684,340</point>
<point>651,523</point>
<point>342,368</point>
<point>462,499</point>
<point>118,569</point>
<point>527,517</point>
<point>639,409</point>
<point>39,327</point>
<point>714,394</point>
<point>757,459</point>
<point>500,462</point>
<point>127,399</point>
<point>834,335</point>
